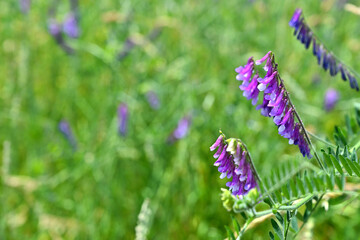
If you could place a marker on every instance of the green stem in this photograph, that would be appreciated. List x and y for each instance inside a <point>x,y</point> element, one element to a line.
<point>286,208</point>
<point>302,226</point>
<point>254,170</point>
<point>301,122</point>
<point>290,175</point>
<point>248,221</point>
<point>321,140</point>
<point>287,229</point>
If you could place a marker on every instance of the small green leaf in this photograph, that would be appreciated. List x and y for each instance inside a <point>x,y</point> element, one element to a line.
<point>294,224</point>
<point>336,164</point>
<point>267,182</point>
<point>341,136</point>
<point>280,218</point>
<point>236,224</point>
<point>317,183</point>
<point>348,125</point>
<point>354,167</point>
<point>357,114</point>
<point>277,229</point>
<point>346,151</point>
<point>313,180</point>
<point>327,159</point>
<point>300,185</point>
<point>309,184</point>
<point>309,205</point>
<point>299,216</point>
<point>271,235</point>
<point>293,188</point>
<point>338,200</point>
<point>340,180</point>
<point>308,210</point>
<point>354,156</point>
<point>345,164</point>
<point>230,233</point>
<point>330,181</point>
<point>278,196</point>
<point>285,191</point>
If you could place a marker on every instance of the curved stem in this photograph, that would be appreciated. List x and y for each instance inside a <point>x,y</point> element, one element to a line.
<point>248,221</point>
<point>254,169</point>
<point>286,208</point>
<point>317,203</point>
<point>301,123</point>
<point>321,140</point>
<point>331,52</point>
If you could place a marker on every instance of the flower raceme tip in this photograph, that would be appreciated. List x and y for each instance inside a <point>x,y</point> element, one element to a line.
<point>276,103</point>
<point>324,57</point>
<point>232,162</point>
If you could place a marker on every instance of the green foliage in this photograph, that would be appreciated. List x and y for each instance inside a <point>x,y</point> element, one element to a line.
<point>50,191</point>
<point>293,184</point>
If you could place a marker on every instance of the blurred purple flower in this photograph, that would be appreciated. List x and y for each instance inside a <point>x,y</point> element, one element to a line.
<point>331,98</point>
<point>122,119</point>
<point>25,6</point>
<point>181,130</point>
<point>70,26</point>
<point>153,99</point>
<point>55,30</point>
<point>54,27</point>
<point>65,129</point>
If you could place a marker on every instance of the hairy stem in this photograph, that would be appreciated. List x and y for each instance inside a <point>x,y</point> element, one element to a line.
<point>287,229</point>
<point>321,140</point>
<point>286,208</point>
<point>248,221</point>
<point>317,203</point>
<point>254,170</point>
<point>301,124</point>
<point>290,175</point>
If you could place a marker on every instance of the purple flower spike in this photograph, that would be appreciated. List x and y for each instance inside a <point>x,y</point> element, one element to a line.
<point>233,163</point>
<point>324,57</point>
<point>123,116</point>
<point>276,103</point>
<point>65,129</point>
<point>331,98</point>
<point>70,26</point>
<point>153,99</point>
<point>24,6</point>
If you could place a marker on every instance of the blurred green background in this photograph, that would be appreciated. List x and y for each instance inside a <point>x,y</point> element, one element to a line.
<point>50,191</point>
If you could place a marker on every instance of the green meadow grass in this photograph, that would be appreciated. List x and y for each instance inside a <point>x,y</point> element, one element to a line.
<point>49,191</point>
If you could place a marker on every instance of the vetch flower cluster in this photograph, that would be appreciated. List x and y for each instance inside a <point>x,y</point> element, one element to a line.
<point>276,102</point>
<point>324,57</point>
<point>232,162</point>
